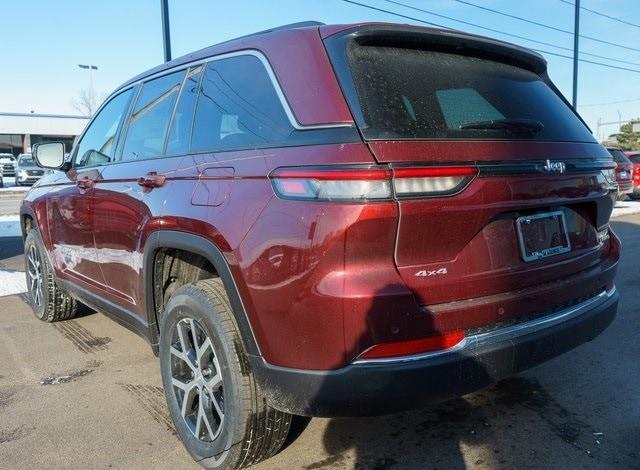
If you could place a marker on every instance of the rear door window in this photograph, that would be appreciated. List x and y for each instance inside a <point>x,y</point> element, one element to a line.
<point>149,121</point>
<point>238,108</point>
<point>406,93</point>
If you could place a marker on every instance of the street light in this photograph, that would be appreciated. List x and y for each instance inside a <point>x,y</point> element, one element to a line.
<point>90,68</point>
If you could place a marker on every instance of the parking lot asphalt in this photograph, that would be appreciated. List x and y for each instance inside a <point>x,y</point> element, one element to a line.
<point>86,393</point>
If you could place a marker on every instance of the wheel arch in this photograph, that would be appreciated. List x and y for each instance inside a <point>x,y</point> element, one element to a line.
<point>171,239</point>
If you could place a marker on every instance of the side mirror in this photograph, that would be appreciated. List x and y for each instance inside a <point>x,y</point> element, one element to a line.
<point>49,155</point>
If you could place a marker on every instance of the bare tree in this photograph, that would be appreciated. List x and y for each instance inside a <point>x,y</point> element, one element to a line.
<point>86,102</point>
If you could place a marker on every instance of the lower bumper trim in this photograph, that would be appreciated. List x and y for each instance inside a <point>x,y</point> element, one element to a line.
<point>380,387</point>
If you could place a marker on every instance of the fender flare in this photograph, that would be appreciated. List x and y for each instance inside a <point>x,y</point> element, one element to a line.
<point>199,245</point>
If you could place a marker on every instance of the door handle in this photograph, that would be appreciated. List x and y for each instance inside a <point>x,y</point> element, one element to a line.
<point>152,180</point>
<point>85,183</point>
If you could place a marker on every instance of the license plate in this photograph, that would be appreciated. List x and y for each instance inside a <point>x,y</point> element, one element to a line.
<point>624,175</point>
<point>542,235</point>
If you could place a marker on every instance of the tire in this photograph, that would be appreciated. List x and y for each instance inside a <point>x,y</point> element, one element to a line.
<point>17,183</point>
<point>50,302</point>
<point>250,430</point>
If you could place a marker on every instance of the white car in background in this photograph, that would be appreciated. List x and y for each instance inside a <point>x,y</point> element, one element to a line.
<point>7,164</point>
<point>27,171</point>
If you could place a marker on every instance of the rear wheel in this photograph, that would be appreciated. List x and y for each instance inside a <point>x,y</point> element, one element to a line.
<point>219,413</point>
<point>49,302</point>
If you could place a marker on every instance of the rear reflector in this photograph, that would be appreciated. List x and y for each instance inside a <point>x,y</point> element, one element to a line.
<point>414,346</point>
<point>369,182</point>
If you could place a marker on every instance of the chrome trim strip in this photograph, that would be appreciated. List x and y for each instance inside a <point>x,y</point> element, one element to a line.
<point>503,334</point>
<point>272,76</point>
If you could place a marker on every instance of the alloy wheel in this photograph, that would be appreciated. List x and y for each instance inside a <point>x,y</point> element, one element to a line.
<point>34,275</point>
<point>196,378</point>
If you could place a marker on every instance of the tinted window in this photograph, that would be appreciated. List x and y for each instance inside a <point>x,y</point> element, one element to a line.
<point>149,121</point>
<point>180,132</point>
<point>418,94</point>
<point>618,156</point>
<point>97,146</point>
<point>238,108</point>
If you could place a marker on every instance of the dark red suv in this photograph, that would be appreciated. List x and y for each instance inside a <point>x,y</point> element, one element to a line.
<point>330,221</point>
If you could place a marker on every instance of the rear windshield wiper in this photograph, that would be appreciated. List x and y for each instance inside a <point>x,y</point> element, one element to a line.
<point>531,126</point>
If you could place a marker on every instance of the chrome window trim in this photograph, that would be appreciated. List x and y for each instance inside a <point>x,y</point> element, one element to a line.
<point>470,343</point>
<point>272,76</point>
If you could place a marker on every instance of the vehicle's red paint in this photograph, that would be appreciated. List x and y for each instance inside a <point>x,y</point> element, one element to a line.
<point>624,176</point>
<point>438,151</point>
<point>72,247</point>
<point>324,281</point>
<point>311,87</point>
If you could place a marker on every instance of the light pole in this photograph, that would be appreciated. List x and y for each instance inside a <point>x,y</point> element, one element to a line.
<point>166,35</point>
<point>576,51</point>
<point>90,68</point>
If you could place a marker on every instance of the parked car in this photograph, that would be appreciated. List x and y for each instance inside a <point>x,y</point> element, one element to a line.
<point>624,172</point>
<point>635,159</point>
<point>7,162</point>
<point>27,172</point>
<point>330,221</point>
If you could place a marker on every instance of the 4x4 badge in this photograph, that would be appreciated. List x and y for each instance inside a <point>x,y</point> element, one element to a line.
<point>435,272</point>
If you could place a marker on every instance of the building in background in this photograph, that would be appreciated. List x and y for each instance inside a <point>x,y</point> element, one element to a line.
<point>19,131</point>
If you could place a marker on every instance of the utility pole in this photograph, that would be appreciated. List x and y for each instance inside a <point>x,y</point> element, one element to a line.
<point>166,36</point>
<point>576,39</point>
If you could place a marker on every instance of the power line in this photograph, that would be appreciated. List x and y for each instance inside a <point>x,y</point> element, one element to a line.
<point>544,25</point>
<point>608,103</point>
<point>599,13</point>
<point>371,7</point>
<point>525,38</point>
<point>412,18</point>
<point>587,61</point>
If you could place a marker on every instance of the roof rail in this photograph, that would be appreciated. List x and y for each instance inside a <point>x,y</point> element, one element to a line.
<point>301,24</point>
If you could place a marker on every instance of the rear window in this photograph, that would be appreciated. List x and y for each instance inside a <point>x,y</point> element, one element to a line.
<point>419,94</point>
<point>618,156</point>
<point>634,157</point>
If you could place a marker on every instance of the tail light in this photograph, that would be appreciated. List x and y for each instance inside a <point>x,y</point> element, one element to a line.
<point>433,181</point>
<point>414,346</point>
<point>370,183</point>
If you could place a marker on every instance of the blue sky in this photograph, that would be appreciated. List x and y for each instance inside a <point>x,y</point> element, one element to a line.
<point>43,41</point>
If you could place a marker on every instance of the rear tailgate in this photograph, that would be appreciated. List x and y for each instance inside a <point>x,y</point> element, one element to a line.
<point>425,98</point>
<point>467,245</point>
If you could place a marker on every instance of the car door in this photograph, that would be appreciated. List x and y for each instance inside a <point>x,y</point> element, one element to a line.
<point>71,203</point>
<point>131,193</point>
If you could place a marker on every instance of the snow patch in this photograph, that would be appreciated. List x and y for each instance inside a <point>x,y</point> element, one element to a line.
<point>12,282</point>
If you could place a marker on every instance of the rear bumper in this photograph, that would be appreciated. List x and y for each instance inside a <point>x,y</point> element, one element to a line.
<point>387,386</point>
<point>625,187</point>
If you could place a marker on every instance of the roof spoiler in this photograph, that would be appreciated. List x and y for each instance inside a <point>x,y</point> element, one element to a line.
<point>445,40</point>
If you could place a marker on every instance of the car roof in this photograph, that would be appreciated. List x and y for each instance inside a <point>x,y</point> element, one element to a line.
<point>256,39</point>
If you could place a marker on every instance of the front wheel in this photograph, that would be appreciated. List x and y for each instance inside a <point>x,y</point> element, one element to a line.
<point>218,411</point>
<point>49,301</point>
<point>17,182</point>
